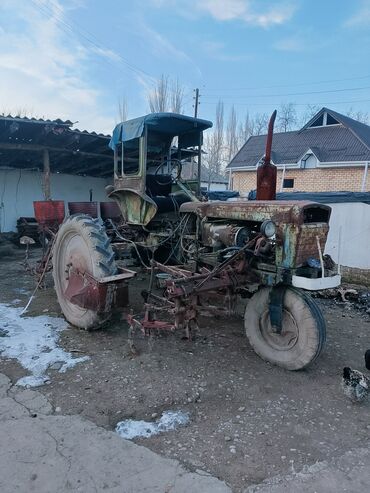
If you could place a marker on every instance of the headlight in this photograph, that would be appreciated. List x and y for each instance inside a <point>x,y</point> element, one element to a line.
<point>268,228</point>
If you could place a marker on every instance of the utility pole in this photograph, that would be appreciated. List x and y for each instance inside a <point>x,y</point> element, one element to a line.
<point>196,104</point>
<point>199,167</point>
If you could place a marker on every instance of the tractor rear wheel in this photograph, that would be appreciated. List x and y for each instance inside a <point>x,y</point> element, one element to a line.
<point>82,244</point>
<point>303,329</point>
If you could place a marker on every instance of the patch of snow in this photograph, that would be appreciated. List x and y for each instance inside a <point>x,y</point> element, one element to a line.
<point>16,301</point>
<point>21,290</point>
<point>33,341</point>
<point>27,306</point>
<point>170,420</point>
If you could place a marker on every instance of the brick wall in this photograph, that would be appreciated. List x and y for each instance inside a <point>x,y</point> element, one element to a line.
<point>309,180</point>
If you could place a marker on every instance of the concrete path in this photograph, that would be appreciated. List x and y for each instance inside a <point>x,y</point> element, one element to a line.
<point>46,453</point>
<point>349,473</point>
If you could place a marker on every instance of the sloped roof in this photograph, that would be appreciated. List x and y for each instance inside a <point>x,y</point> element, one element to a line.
<point>71,151</point>
<point>349,141</point>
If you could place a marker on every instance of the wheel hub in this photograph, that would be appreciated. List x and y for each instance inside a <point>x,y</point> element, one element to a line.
<point>288,336</point>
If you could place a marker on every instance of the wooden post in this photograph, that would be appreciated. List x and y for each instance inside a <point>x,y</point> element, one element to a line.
<point>46,176</point>
<point>199,167</point>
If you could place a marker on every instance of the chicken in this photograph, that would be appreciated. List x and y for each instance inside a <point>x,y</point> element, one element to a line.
<point>355,385</point>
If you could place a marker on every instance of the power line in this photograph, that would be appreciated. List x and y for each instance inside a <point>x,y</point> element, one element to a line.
<point>230,89</point>
<point>68,28</point>
<point>325,103</point>
<point>293,93</point>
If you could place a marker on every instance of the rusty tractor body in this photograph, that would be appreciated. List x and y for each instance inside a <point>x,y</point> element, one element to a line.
<point>212,253</point>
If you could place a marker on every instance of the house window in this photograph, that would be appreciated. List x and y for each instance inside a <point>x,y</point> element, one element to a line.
<point>288,183</point>
<point>319,122</point>
<point>330,120</point>
<point>324,120</point>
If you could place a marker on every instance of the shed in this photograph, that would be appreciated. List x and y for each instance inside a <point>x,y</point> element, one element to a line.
<point>42,159</point>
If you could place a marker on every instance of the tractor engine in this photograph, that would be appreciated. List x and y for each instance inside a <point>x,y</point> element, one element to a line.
<point>219,236</point>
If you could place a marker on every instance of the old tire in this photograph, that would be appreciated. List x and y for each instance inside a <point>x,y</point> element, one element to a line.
<point>82,242</point>
<point>303,330</point>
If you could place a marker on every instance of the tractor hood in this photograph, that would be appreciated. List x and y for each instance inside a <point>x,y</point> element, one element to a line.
<point>280,211</point>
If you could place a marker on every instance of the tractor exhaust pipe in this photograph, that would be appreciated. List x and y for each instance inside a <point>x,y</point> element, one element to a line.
<point>267,172</point>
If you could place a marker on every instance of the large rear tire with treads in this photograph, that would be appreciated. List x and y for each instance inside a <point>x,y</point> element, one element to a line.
<point>82,244</point>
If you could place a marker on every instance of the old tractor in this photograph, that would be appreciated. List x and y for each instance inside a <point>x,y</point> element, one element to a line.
<point>210,254</point>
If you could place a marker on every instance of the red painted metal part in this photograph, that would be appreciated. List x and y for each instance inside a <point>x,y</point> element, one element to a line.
<point>267,172</point>
<point>270,134</point>
<point>110,210</point>
<point>98,295</point>
<point>49,213</point>
<point>183,292</point>
<point>148,323</point>
<point>90,208</point>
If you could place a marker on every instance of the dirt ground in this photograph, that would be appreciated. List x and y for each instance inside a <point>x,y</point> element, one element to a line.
<point>249,420</point>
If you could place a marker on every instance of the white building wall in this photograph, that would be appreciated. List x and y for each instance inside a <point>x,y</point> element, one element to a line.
<point>214,186</point>
<point>19,188</point>
<point>352,220</point>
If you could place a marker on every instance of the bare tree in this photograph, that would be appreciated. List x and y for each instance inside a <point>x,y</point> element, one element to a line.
<point>244,130</point>
<point>287,117</point>
<point>177,97</point>
<point>214,144</point>
<point>218,136</point>
<point>259,124</point>
<point>122,109</point>
<point>232,135</point>
<point>361,116</point>
<point>167,95</point>
<point>250,126</point>
<point>309,112</point>
<point>158,97</point>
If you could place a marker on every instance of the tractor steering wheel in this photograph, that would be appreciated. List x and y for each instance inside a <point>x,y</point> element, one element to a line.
<point>175,171</point>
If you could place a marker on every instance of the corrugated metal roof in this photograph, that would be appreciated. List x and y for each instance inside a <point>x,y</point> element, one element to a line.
<point>347,142</point>
<point>35,120</point>
<point>71,150</point>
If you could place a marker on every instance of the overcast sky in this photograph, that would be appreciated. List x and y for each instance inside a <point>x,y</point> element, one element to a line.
<point>74,59</point>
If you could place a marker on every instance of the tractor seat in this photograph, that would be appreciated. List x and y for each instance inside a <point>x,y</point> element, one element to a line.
<point>159,185</point>
<point>159,190</point>
<point>171,203</point>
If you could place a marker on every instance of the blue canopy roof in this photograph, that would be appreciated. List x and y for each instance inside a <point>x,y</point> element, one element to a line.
<point>168,124</point>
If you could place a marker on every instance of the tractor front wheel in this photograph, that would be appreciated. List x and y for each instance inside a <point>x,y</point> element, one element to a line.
<point>303,331</point>
<point>81,244</point>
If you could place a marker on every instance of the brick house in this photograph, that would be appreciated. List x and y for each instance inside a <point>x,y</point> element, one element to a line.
<point>331,152</point>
